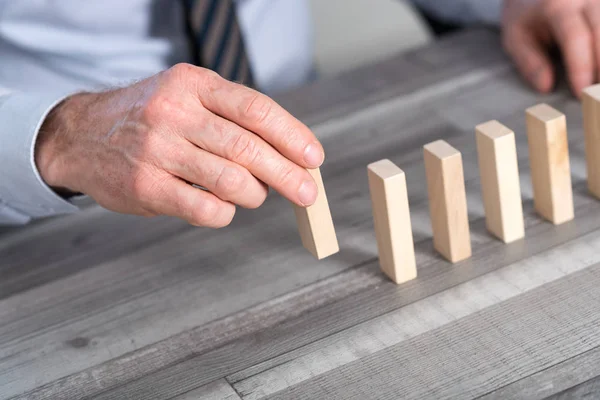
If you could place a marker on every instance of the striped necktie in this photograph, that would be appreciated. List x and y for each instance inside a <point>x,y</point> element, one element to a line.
<point>217,39</point>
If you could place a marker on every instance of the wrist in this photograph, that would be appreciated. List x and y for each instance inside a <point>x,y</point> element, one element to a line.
<point>53,148</point>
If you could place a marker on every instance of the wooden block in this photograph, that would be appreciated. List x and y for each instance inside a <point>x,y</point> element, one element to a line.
<point>549,160</point>
<point>500,186</point>
<point>315,223</point>
<point>391,216</point>
<point>447,201</point>
<point>591,126</point>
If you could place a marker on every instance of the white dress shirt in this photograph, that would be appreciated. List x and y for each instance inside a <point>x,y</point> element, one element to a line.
<point>52,48</point>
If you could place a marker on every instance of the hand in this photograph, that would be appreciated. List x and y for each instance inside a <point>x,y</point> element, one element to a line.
<point>531,27</point>
<point>137,150</point>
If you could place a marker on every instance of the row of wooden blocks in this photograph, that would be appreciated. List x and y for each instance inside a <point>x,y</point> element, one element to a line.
<point>500,186</point>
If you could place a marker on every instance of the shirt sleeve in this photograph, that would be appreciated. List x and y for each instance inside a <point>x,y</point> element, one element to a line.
<point>463,11</point>
<point>23,193</point>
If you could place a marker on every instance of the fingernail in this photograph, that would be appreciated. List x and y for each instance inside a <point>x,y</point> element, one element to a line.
<point>307,194</point>
<point>313,155</point>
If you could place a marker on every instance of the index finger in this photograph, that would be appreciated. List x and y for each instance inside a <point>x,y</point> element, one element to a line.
<point>261,115</point>
<point>575,40</point>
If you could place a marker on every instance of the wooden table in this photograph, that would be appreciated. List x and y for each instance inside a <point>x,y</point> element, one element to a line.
<point>105,306</point>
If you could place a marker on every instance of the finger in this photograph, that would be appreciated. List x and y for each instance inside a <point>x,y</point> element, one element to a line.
<point>198,207</point>
<point>259,114</point>
<point>234,143</point>
<point>225,179</point>
<point>531,59</point>
<point>575,40</point>
<point>592,14</point>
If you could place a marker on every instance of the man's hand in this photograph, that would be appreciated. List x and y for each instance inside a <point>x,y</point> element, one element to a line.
<point>137,150</point>
<point>531,27</point>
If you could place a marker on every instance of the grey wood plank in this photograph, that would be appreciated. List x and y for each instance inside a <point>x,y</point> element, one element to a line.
<point>118,307</point>
<point>199,368</point>
<point>180,347</point>
<point>466,358</point>
<point>54,248</point>
<point>219,390</point>
<point>586,390</point>
<point>576,376</point>
<point>381,333</point>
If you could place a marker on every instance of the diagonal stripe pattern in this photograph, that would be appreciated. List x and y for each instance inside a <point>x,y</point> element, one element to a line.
<point>217,39</point>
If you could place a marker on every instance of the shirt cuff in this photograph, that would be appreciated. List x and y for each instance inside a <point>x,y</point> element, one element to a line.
<point>21,187</point>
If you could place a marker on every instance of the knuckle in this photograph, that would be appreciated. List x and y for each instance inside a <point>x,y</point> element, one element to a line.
<point>286,175</point>
<point>257,108</point>
<point>196,79</point>
<point>168,112</point>
<point>181,71</point>
<point>244,149</point>
<point>146,186</point>
<point>204,213</point>
<point>210,80</point>
<point>159,105</point>
<point>290,136</point>
<point>229,180</point>
<point>150,148</point>
<point>169,154</point>
<point>204,123</point>
<point>147,183</point>
<point>210,213</point>
<point>210,127</point>
<point>227,217</point>
<point>259,200</point>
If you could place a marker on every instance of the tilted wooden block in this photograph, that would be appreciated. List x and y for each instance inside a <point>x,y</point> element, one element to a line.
<point>315,223</point>
<point>591,125</point>
<point>447,201</point>
<point>391,216</point>
<point>549,160</point>
<point>500,186</point>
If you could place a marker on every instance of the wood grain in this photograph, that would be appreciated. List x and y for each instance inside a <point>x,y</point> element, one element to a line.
<point>391,218</point>
<point>71,244</point>
<point>447,201</point>
<point>219,390</point>
<point>478,352</point>
<point>260,350</point>
<point>382,333</point>
<point>500,185</point>
<point>586,390</point>
<point>564,378</point>
<point>550,167</point>
<point>591,120</point>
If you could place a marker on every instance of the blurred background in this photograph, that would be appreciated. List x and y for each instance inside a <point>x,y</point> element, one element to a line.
<point>352,33</point>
